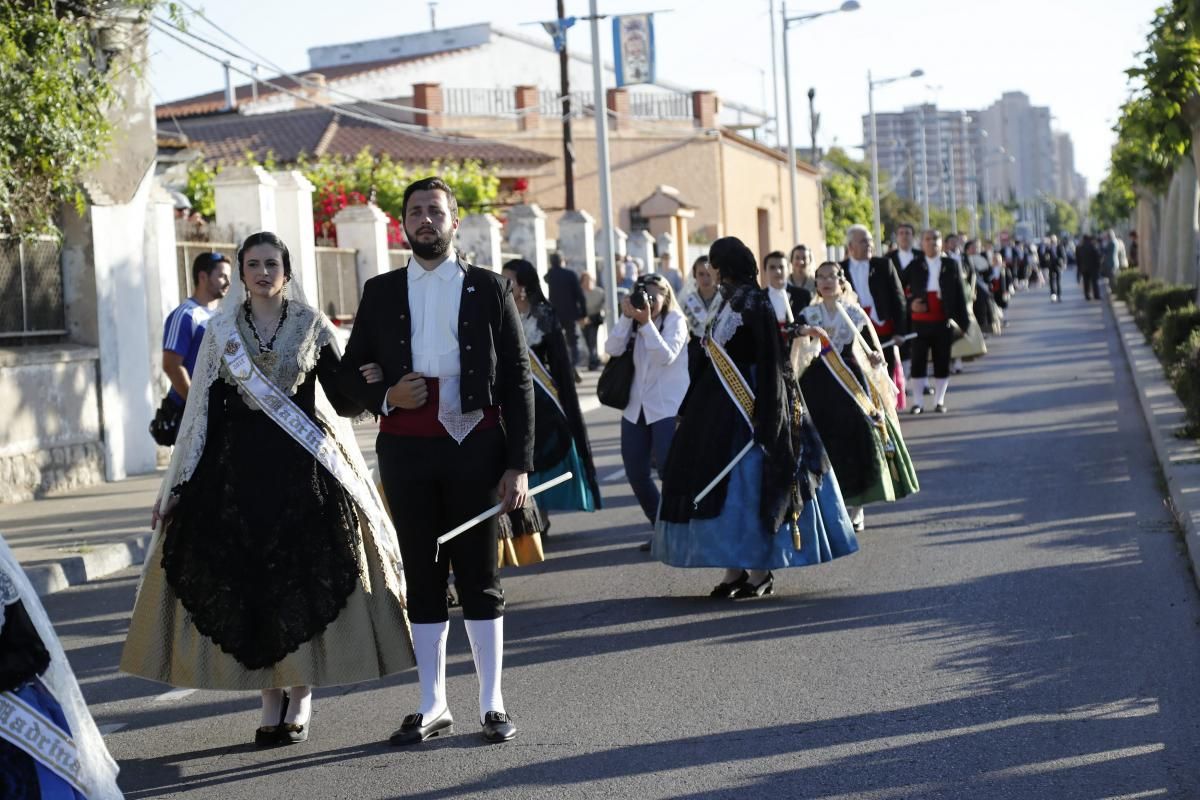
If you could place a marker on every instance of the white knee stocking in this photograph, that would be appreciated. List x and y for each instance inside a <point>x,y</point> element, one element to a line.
<point>487,647</point>
<point>299,705</point>
<point>272,707</point>
<point>940,392</point>
<point>429,645</point>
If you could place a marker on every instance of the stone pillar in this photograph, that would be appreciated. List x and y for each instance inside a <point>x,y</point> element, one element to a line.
<point>641,247</point>
<point>245,198</point>
<point>527,235</point>
<point>618,104</point>
<point>293,210</point>
<point>667,247</point>
<point>429,97</point>
<point>620,242</point>
<point>528,106</point>
<point>478,240</point>
<point>577,241</point>
<point>162,277</point>
<point>364,228</point>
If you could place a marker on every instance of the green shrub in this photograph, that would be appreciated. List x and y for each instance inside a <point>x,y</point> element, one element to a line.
<point>1139,288</point>
<point>1124,280</point>
<point>1174,331</point>
<point>1185,378</point>
<point>1156,301</point>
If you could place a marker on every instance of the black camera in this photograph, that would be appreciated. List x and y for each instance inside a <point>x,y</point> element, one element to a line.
<point>638,298</point>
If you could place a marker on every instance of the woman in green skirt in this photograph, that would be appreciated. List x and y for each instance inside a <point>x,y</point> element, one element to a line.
<point>851,399</point>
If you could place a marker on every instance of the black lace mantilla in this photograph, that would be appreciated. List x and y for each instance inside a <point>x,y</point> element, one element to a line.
<point>261,549</point>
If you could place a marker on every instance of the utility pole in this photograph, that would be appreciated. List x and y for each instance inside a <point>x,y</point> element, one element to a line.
<point>565,90</point>
<point>814,122</point>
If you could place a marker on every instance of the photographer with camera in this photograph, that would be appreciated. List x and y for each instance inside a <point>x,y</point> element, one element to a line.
<point>652,324</point>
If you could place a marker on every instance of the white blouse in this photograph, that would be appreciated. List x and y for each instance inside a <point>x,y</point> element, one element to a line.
<point>660,366</point>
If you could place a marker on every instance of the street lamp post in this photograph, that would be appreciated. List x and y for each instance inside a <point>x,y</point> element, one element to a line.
<point>871,84</point>
<point>849,5</point>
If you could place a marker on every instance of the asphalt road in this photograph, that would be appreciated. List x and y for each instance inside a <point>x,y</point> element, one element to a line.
<point>1025,627</point>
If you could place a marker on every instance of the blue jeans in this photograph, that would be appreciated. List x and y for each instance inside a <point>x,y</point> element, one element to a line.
<point>638,441</point>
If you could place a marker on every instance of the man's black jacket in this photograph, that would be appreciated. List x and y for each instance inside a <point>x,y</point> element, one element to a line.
<point>887,290</point>
<point>491,346</point>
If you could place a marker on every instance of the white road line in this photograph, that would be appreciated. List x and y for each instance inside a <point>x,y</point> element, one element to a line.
<point>614,476</point>
<point>174,694</point>
<point>111,727</point>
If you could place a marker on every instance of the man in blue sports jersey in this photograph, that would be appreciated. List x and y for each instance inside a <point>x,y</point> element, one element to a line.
<point>184,327</point>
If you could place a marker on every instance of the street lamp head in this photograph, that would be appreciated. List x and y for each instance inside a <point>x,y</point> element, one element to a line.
<point>849,5</point>
<point>916,73</point>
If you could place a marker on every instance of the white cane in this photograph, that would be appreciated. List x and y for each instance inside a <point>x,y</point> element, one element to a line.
<point>493,511</point>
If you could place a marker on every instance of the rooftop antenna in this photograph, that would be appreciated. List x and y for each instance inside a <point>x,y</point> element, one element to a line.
<point>432,16</point>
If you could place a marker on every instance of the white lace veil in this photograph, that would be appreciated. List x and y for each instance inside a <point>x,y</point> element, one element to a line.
<point>98,770</point>
<point>305,331</point>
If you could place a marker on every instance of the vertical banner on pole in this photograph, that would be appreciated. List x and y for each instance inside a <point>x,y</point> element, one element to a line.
<point>633,48</point>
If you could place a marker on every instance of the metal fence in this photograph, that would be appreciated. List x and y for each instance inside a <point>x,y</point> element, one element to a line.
<point>337,282</point>
<point>31,288</point>
<point>653,105</point>
<point>185,254</point>
<point>479,102</point>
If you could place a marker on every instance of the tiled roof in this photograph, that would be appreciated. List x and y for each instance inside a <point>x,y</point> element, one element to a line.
<point>214,102</point>
<point>317,131</point>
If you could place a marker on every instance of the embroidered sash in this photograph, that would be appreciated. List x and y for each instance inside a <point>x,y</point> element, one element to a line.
<point>731,378</point>
<point>29,729</point>
<point>294,422</point>
<point>543,379</point>
<point>867,400</point>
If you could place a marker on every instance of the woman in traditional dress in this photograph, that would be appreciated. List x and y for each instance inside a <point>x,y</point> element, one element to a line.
<point>38,692</point>
<point>987,313</point>
<point>274,566</point>
<point>747,486</point>
<point>853,401</point>
<point>970,345</point>
<point>560,435</point>
<point>700,302</point>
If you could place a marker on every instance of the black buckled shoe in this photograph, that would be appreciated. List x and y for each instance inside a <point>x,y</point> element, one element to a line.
<point>269,735</point>
<point>498,727</point>
<point>414,729</point>
<point>291,733</point>
<point>757,590</point>
<point>726,590</point>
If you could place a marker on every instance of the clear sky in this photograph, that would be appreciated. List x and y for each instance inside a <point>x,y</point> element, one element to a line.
<point>1069,55</point>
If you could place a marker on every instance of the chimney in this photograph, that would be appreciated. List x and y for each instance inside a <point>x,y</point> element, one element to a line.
<point>429,97</point>
<point>527,107</point>
<point>314,88</point>
<point>618,104</point>
<point>230,96</point>
<point>705,108</point>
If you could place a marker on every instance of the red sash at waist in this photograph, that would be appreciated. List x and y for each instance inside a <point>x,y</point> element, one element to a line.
<point>884,331</point>
<point>935,312</point>
<point>424,422</point>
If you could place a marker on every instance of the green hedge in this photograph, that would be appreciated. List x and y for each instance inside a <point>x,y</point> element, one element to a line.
<point>1185,378</point>
<point>1173,332</point>
<point>1124,280</point>
<point>1151,303</point>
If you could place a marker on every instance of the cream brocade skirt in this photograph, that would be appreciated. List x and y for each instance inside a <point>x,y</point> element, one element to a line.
<point>370,639</point>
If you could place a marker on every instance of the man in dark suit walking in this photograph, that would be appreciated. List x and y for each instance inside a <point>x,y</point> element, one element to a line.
<point>936,299</point>
<point>566,295</point>
<point>449,342</point>
<point>876,281</point>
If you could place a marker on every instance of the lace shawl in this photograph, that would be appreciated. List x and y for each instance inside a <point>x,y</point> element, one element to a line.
<point>296,352</point>
<point>98,770</point>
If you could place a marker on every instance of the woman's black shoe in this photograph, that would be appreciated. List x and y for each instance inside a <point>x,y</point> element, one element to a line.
<point>756,590</point>
<point>646,545</point>
<point>730,589</point>
<point>291,733</point>
<point>269,735</point>
<point>414,729</point>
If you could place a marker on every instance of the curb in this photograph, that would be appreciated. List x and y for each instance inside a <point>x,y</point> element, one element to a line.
<point>1164,414</point>
<point>50,577</point>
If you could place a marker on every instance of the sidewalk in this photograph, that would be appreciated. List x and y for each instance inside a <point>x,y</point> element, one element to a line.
<point>1178,458</point>
<point>79,536</point>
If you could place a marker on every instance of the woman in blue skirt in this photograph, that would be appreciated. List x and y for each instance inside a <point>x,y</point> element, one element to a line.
<point>747,486</point>
<point>561,440</point>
